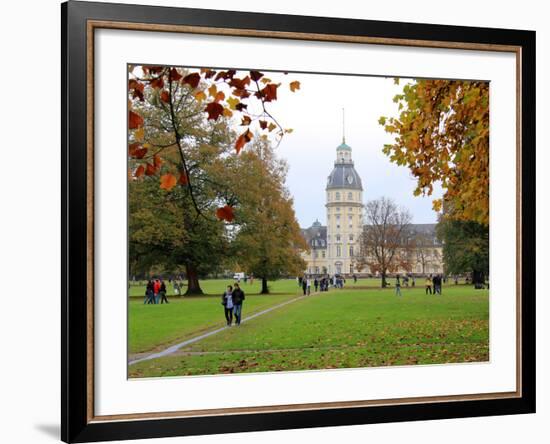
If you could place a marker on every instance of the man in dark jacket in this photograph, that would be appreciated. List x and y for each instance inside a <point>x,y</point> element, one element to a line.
<point>238,298</point>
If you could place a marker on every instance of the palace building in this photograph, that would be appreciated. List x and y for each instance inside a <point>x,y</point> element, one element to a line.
<point>333,248</point>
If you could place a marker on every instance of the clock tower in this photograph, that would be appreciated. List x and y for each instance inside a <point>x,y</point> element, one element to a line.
<point>344,205</point>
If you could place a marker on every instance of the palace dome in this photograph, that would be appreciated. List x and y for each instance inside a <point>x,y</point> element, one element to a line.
<point>344,175</point>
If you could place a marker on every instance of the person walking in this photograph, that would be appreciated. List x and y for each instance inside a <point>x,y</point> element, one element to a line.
<point>156,289</point>
<point>316,284</point>
<point>304,286</point>
<point>428,285</point>
<point>238,298</point>
<point>398,286</point>
<point>308,286</point>
<point>227,302</point>
<point>162,292</point>
<point>149,294</point>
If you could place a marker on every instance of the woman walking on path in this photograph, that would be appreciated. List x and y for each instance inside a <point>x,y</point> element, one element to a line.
<point>162,292</point>
<point>397,286</point>
<point>227,302</point>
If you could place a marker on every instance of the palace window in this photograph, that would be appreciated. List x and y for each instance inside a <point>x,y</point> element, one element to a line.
<point>337,195</point>
<point>323,254</point>
<point>350,196</point>
<point>351,237</point>
<point>351,250</point>
<point>338,251</point>
<point>337,238</point>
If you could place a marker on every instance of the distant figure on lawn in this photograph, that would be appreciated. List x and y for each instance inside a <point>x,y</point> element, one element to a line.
<point>162,292</point>
<point>428,284</point>
<point>156,289</point>
<point>437,284</point>
<point>308,285</point>
<point>304,285</point>
<point>149,293</point>
<point>355,279</point>
<point>397,285</point>
<point>316,284</point>
<point>227,302</point>
<point>238,298</point>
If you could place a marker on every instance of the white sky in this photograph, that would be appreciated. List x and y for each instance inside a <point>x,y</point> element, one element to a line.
<point>315,114</point>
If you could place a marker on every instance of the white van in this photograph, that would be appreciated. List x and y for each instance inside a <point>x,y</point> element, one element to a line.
<point>238,276</point>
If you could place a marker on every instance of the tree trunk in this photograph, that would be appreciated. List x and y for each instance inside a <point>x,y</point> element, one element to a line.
<point>384,282</point>
<point>478,279</point>
<point>265,290</point>
<point>193,286</point>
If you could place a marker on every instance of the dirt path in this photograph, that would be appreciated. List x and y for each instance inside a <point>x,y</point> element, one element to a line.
<point>174,348</point>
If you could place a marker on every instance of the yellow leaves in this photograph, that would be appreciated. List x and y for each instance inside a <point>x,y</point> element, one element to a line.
<point>271,126</point>
<point>265,80</point>
<point>200,96</point>
<point>139,134</point>
<point>437,205</point>
<point>168,181</point>
<point>232,102</point>
<point>294,85</point>
<point>289,130</point>
<point>213,90</point>
<point>227,112</point>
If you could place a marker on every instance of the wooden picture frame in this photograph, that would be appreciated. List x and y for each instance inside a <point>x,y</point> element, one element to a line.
<point>79,22</point>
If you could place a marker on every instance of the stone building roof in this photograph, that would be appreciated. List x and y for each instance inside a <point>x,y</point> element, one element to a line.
<point>344,176</point>
<point>316,236</point>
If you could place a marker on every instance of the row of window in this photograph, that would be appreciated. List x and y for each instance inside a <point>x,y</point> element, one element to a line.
<point>338,195</point>
<point>315,253</point>
<point>338,237</point>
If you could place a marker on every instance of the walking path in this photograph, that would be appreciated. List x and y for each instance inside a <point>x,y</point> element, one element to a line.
<point>174,348</point>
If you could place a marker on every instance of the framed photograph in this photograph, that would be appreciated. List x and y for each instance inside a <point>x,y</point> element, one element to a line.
<point>275,221</point>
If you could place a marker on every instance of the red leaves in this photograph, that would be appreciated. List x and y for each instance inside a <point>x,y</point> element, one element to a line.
<point>239,83</point>
<point>136,151</point>
<point>140,170</point>
<point>175,75</point>
<point>192,79</point>
<point>225,213</point>
<point>168,181</point>
<point>136,88</point>
<point>263,124</point>
<point>225,75</point>
<point>214,110</point>
<point>219,96</point>
<point>150,170</point>
<point>157,83</point>
<point>157,161</point>
<point>256,75</point>
<point>135,121</point>
<point>268,93</point>
<point>243,139</point>
<point>241,106</point>
<point>165,96</point>
<point>246,121</point>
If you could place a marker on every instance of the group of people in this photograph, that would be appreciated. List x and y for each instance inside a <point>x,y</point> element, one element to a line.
<point>155,291</point>
<point>434,282</point>
<point>232,301</point>
<point>320,284</point>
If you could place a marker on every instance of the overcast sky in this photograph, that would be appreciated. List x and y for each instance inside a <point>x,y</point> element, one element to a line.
<point>315,114</point>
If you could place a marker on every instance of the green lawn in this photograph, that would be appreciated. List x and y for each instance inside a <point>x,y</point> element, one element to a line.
<point>339,329</point>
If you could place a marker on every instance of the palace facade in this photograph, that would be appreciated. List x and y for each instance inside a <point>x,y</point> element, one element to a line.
<point>334,247</point>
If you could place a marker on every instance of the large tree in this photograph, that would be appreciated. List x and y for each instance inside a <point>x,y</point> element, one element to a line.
<point>442,136</point>
<point>465,248</point>
<point>385,246</point>
<point>268,239</point>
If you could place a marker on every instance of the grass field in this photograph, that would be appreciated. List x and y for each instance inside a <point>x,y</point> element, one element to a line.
<point>353,327</point>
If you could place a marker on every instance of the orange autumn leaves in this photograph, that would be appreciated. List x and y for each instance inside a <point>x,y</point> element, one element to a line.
<point>220,94</point>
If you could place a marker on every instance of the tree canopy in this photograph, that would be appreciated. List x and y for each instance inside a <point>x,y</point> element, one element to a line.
<point>442,135</point>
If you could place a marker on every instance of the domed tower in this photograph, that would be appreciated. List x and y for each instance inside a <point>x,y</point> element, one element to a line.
<point>344,204</point>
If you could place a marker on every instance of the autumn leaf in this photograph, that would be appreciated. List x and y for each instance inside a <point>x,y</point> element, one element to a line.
<point>157,161</point>
<point>246,121</point>
<point>256,75</point>
<point>200,96</point>
<point>233,102</point>
<point>157,83</point>
<point>135,121</point>
<point>165,96</point>
<point>139,134</point>
<point>225,213</point>
<point>271,126</point>
<point>219,96</point>
<point>263,124</point>
<point>227,112</point>
<point>150,170</point>
<point>239,83</point>
<point>213,90</point>
<point>174,75</point>
<point>243,139</point>
<point>241,106</point>
<point>192,79</point>
<point>214,110</point>
<point>294,85</point>
<point>137,88</point>
<point>269,92</point>
<point>140,170</point>
<point>168,181</point>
